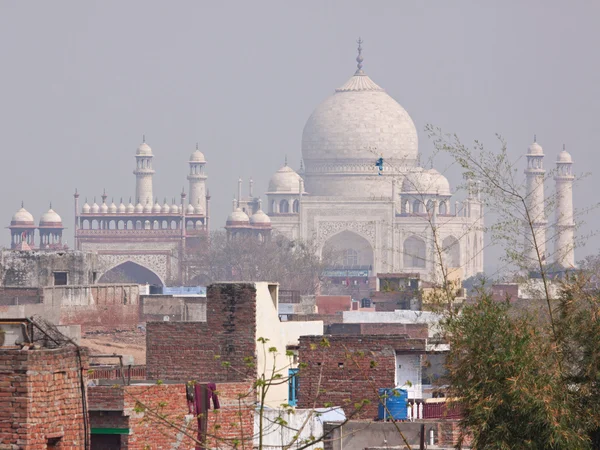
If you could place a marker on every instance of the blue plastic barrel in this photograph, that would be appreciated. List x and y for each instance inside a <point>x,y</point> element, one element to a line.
<point>396,401</point>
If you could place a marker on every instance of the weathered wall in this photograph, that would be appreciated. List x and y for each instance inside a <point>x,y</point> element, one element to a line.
<point>41,397</point>
<point>348,369</point>
<point>133,407</point>
<point>180,309</point>
<point>19,296</point>
<point>198,350</point>
<point>412,330</point>
<point>97,307</point>
<point>22,311</point>
<point>35,269</point>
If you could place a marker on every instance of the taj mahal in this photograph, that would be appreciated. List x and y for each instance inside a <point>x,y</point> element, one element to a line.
<point>379,220</point>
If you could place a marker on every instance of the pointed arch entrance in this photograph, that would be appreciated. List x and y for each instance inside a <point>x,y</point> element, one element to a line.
<point>130,272</point>
<point>348,248</point>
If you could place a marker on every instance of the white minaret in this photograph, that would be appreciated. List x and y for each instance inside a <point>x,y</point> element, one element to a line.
<point>197,179</point>
<point>143,174</point>
<point>564,244</point>
<point>535,206</point>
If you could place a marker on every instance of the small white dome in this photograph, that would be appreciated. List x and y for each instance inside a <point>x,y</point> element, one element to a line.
<point>197,156</point>
<point>104,208</point>
<point>285,180</point>
<point>157,208</point>
<point>237,217</point>
<point>166,209</point>
<point>148,207</point>
<point>86,208</point>
<point>22,217</point>
<point>426,182</point>
<point>144,150</point>
<point>564,157</point>
<point>112,208</point>
<point>50,219</point>
<point>122,208</point>
<point>190,210</point>
<point>260,218</point>
<point>535,149</point>
<point>139,208</point>
<point>95,208</point>
<point>174,208</point>
<point>131,208</point>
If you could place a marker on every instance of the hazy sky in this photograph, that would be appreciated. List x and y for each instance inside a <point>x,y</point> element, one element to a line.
<point>81,82</point>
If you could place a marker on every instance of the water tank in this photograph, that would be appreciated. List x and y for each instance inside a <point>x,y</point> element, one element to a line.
<point>396,402</point>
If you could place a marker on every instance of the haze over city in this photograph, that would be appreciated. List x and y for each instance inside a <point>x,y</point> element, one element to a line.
<point>82,82</point>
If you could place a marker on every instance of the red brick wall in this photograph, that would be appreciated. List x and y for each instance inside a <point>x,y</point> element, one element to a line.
<point>226,428</point>
<point>199,350</point>
<point>40,397</point>
<point>349,369</point>
<point>331,304</point>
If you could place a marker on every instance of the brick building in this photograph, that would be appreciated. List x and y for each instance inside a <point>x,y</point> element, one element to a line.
<point>42,396</point>
<point>347,369</point>
<point>220,349</point>
<point>125,417</point>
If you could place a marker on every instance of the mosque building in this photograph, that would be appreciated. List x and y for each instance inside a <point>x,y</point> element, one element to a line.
<point>144,234</point>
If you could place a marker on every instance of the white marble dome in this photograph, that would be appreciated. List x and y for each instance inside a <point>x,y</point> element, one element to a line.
<point>535,149</point>
<point>95,208</point>
<point>197,156</point>
<point>238,216</point>
<point>285,180</point>
<point>426,182</point>
<point>85,209</point>
<point>22,217</point>
<point>112,208</point>
<point>564,157</point>
<point>144,150</point>
<point>260,218</point>
<point>139,208</point>
<point>122,208</point>
<point>50,219</point>
<point>131,208</point>
<point>360,122</point>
